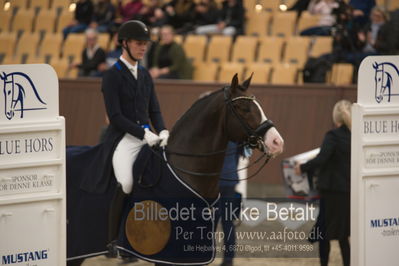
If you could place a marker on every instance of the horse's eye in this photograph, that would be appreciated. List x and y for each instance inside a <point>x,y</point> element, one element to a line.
<point>379,79</point>
<point>246,109</point>
<point>8,92</point>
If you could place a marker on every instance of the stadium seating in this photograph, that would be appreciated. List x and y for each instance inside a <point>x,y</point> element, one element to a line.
<point>28,44</point>
<point>45,20</point>
<point>23,20</point>
<point>73,46</point>
<point>228,70</point>
<point>219,49</point>
<point>306,21</point>
<point>296,50</point>
<point>194,46</point>
<point>5,20</point>
<point>244,49</point>
<point>40,4</point>
<point>321,45</point>
<point>283,23</point>
<point>51,45</point>
<point>270,5</point>
<point>258,23</point>
<point>284,74</point>
<point>17,4</point>
<point>8,42</point>
<point>341,74</point>
<point>270,49</point>
<point>64,19</point>
<point>61,4</point>
<point>206,71</point>
<point>261,72</point>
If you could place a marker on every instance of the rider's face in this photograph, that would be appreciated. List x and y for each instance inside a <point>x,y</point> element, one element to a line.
<point>137,48</point>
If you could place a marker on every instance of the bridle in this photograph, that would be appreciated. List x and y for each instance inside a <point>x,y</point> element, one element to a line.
<point>254,140</point>
<point>254,137</point>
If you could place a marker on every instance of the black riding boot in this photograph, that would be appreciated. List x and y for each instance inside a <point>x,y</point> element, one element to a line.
<point>114,219</point>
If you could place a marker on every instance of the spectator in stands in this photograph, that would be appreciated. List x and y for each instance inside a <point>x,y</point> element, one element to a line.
<point>323,8</point>
<point>180,14</point>
<point>369,36</point>
<point>388,35</point>
<point>83,15</point>
<point>153,15</point>
<point>353,44</point>
<point>206,13</point>
<point>92,57</point>
<point>231,20</point>
<point>361,10</point>
<point>169,60</point>
<point>104,15</point>
<point>129,11</point>
<point>113,55</point>
<point>299,6</point>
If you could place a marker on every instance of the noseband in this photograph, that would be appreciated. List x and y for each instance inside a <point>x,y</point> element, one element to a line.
<point>254,136</point>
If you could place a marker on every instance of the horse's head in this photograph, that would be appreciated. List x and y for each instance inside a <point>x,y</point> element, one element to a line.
<point>8,96</point>
<point>383,82</point>
<point>246,120</point>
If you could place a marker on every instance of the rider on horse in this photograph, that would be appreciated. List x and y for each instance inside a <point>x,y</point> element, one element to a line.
<point>131,103</point>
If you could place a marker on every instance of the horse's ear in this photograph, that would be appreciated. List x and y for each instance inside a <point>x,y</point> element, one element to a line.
<point>246,83</point>
<point>234,83</point>
<point>375,65</point>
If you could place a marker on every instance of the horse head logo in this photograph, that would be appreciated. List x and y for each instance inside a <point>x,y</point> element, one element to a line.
<point>15,88</point>
<point>386,77</point>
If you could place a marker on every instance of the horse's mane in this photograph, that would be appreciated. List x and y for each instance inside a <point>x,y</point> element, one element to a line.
<point>199,103</point>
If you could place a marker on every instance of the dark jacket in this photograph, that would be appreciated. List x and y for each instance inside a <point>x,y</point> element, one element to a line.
<point>129,103</point>
<point>84,12</point>
<point>233,15</point>
<point>333,161</point>
<point>88,66</point>
<point>174,57</point>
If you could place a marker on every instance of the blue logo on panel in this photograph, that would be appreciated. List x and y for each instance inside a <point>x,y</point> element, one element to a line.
<point>17,86</point>
<point>386,81</point>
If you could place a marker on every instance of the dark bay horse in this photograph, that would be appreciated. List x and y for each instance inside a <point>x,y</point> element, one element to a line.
<point>198,141</point>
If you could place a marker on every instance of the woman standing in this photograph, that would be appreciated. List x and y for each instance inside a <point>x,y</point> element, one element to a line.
<point>333,163</point>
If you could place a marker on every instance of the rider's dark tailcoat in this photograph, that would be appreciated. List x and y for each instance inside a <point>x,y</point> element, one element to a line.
<point>130,104</point>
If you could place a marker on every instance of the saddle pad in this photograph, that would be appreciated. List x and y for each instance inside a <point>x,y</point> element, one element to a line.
<point>165,220</point>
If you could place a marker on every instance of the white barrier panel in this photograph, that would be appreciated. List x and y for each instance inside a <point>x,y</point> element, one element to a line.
<point>375,164</point>
<point>32,168</point>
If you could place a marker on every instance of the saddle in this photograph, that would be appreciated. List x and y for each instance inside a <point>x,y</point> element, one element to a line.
<point>164,219</point>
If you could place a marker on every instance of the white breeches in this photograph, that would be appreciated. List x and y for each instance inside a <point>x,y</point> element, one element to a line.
<point>123,159</point>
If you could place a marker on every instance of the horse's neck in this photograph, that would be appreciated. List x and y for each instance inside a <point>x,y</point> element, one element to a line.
<point>200,131</point>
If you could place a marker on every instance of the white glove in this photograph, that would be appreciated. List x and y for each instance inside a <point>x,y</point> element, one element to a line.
<point>150,137</point>
<point>164,136</point>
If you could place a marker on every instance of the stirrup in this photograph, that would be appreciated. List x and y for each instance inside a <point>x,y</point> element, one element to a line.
<point>112,250</point>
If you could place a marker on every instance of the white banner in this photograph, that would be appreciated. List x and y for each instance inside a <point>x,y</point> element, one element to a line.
<point>375,164</point>
<point>32,168</point>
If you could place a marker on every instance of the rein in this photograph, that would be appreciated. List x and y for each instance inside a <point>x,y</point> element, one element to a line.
<point>268,157</point>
